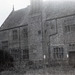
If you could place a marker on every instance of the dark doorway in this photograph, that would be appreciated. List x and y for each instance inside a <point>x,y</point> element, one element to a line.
<point>72,58</point>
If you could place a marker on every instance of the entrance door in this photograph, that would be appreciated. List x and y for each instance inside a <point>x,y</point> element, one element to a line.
<point>72,58</point>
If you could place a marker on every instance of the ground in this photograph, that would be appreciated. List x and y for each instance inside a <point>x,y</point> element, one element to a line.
<point>58,70</point>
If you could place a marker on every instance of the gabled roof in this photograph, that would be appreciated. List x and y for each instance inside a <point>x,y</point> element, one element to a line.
<point>50,10</point>
<point>16,18</point>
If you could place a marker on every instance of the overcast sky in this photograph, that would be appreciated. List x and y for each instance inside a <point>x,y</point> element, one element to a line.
<point>6,7</point>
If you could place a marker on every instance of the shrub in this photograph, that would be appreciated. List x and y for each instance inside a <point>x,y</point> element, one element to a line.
<point>6,60</point>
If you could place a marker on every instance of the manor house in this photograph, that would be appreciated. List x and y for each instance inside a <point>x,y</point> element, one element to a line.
<point>41,31</point>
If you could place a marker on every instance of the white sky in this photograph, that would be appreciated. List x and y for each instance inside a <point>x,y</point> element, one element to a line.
<point>6,7</point>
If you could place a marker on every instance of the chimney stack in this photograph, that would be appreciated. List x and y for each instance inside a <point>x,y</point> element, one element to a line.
<point>36,5</point>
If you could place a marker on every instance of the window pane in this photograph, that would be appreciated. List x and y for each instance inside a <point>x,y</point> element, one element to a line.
<point>67,28</point>
<point>58,53</point>
<point>15,36</point>
<point>72,27</point>
<point>25,32</point>
<point>4,45</point>
<point>26,54</point>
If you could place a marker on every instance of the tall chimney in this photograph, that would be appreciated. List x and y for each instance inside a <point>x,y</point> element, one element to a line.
<point>36,5</point>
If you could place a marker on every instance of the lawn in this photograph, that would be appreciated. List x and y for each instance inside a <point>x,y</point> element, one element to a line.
<point>58,70</point>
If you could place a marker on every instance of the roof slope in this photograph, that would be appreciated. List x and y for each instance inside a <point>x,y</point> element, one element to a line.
<point>58,9</point>
<point>16,18</point>
<point>50,10</point>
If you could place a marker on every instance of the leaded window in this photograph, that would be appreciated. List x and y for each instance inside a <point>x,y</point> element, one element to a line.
<point>4,45</point>
<point>15,35</point>
<point>72,46</point>
<point>15,53</point>
<point>67,28</point>
<point>25,32</point>
<point>26,54</point>
<point>58,52</point>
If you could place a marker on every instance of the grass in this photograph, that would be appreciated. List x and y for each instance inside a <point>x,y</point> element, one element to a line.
<point>34,69</point>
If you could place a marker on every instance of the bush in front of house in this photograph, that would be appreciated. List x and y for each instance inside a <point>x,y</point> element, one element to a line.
<point>6,60</point>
